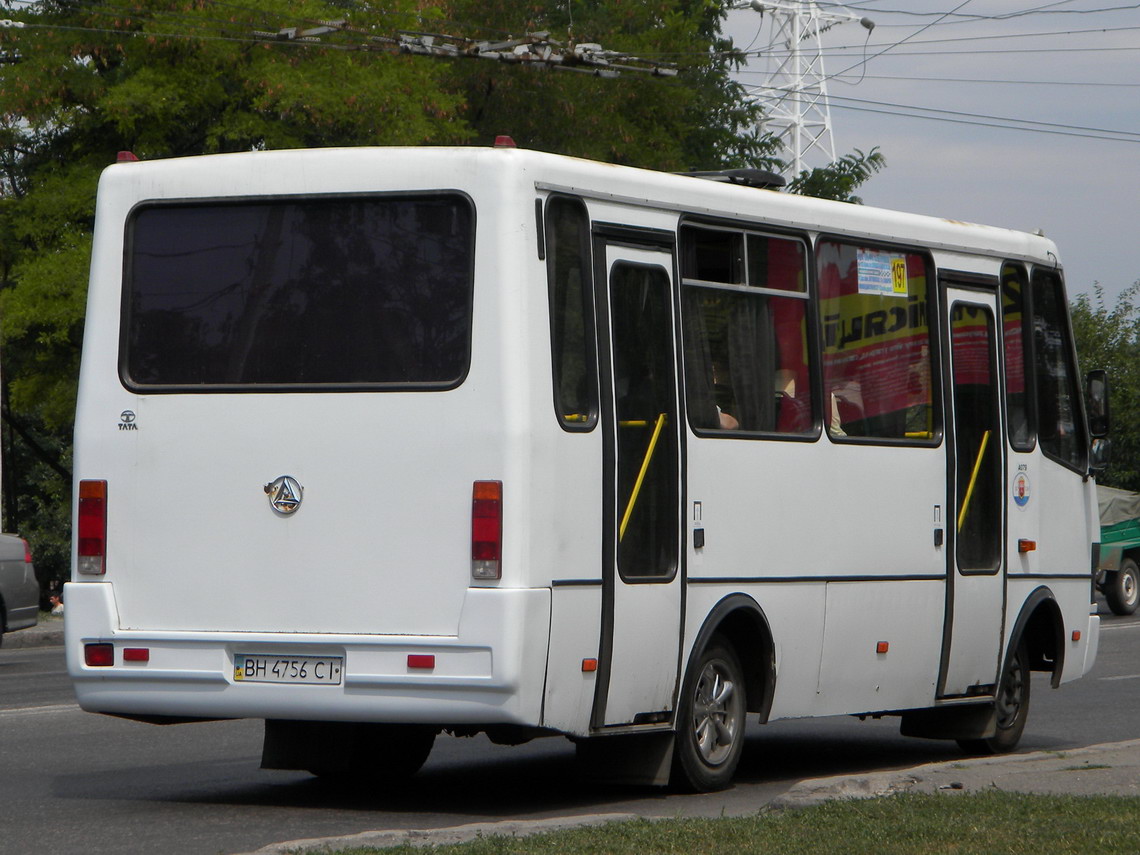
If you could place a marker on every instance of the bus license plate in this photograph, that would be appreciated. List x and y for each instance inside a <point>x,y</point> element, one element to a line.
<point>258,668</point>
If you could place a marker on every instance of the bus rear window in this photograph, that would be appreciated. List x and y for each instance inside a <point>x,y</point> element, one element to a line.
<point>331,292</point>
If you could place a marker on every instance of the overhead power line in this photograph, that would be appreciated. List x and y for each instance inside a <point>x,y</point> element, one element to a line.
<point>533,49</point>
<point>536,49</point>
<point>911,111</point>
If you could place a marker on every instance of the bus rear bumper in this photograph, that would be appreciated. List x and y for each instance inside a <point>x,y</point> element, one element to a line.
<point>483,675</point>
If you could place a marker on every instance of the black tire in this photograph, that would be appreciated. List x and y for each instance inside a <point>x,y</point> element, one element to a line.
<point>377,754</point>
<point>1122,588</point>
<point>1011,708</point>
<point>710,720</point>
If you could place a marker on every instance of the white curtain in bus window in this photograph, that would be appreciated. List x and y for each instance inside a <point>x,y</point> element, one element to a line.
<point>877,371</point>
<point>744,308</point>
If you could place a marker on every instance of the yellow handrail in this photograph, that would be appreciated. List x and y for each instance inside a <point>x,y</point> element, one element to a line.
<point>641,475</point>
<point>973,480</point>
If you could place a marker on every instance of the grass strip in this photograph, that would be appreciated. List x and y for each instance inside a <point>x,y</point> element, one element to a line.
<point>983,823</point>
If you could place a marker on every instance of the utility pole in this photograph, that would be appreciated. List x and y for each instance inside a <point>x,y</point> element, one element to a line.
<point>794,97</point>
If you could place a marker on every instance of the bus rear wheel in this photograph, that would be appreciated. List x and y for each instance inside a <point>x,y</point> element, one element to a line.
<point>710,720</point>
<point>1123,588</point>
<point>1011,708</point>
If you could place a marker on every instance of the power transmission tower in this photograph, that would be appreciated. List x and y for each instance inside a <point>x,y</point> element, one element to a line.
<point>794,97</point>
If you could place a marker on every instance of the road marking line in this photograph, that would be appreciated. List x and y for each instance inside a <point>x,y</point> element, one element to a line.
<point>1112,626</point>
<point>1122,677</point>
<point>50,708</point>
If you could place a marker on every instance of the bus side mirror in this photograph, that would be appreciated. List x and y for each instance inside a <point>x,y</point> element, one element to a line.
<point>1096,401</point>
<point>1099,454</point>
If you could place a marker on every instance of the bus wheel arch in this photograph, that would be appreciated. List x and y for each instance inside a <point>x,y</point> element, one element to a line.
<point>1041,627</point>
<point>742,623</point>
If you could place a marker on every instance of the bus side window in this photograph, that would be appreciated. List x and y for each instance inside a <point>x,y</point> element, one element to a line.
<point>1060,430</point>
<point>1014,288</point>
<point>571,313</point>
<point>745,308</point>
<point>878,372</point>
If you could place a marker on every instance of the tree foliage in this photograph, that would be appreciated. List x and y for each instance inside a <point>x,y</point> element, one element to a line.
<point>80,82</point>
<point>1108,337</point>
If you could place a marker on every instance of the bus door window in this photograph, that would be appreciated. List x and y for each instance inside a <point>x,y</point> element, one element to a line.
<point>645,405</point>
<point>977,440</point>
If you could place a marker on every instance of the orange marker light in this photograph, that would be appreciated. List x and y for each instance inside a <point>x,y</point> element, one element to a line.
<point>882,647</point>
<point>589,665</point>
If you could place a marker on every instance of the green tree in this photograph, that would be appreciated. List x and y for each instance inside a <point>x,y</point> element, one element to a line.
<point>699,119</point>
<point>1109,337</point>
<point>839,180</point>
<point>80,82</point>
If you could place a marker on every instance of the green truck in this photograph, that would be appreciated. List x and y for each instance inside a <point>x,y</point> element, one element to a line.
<point>1118,575</point>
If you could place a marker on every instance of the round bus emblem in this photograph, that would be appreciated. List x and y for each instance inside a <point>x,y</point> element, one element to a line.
<point>1021,489</point>
<point>284,494</point>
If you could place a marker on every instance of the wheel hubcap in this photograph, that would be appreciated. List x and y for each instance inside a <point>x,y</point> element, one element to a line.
<point>1128,586</point>
<point>716,719</point>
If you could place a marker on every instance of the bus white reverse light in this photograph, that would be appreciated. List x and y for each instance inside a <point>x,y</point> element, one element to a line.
<point>91,542</point>
<point>487,530</point>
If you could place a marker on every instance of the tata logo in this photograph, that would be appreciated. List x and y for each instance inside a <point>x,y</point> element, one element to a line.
<point>127,420</point>
<point>284,494</point>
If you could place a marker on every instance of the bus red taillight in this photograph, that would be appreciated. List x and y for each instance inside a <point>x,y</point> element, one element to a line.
<point>91,540</point>
<point>487,530</point>
<point>99,654</point>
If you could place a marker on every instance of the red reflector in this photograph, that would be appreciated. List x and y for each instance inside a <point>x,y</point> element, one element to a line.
<point>27,553</point>
<point>136,654</point>
<point>91,537</point>
<point>504,141</point>
<point>1024,545</point>
<point>99,655</point>
<point>882,647</point>
<point>486,529</point>
<point>589,665</point>
<point>1076,635</point>
<point>421,660</point>
<point>126,157</point>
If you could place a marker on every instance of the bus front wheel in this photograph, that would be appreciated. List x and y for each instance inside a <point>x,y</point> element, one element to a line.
<point>1011,708</point>
<point>710,720</point>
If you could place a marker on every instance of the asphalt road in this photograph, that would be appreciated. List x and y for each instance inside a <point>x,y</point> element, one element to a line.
<point>71,781</point>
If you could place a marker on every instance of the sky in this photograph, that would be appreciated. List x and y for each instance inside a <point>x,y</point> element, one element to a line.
<point>1024,66</point>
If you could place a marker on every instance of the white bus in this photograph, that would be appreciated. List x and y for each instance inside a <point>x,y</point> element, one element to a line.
<point>379,443</point>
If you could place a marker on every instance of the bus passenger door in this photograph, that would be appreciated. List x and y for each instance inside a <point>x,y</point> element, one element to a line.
<point>975,583</point>
<point>641,506</point>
